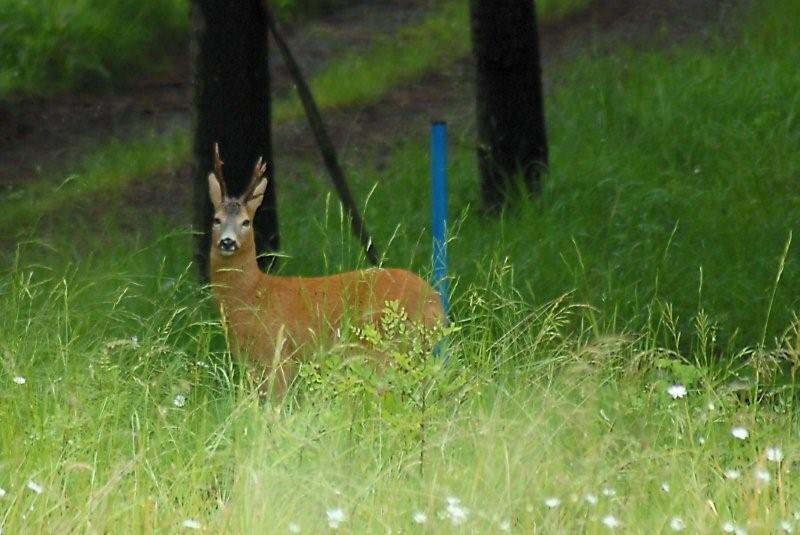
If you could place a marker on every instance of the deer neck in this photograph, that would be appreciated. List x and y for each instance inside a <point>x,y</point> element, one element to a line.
<point>235,278</point>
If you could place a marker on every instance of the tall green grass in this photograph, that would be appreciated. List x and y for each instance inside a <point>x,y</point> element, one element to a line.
<point>48,46</point>
<point>132,416</point>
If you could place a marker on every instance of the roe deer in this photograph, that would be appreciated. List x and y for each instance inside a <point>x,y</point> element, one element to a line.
<point>272,319</point>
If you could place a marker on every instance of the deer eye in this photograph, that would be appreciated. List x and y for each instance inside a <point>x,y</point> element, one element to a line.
<point>246,223</point>
<point>217,221</point>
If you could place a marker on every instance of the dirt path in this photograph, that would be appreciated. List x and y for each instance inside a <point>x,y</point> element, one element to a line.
<point>37,135</point>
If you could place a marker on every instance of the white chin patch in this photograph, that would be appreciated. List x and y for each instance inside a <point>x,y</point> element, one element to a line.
<point>224,252</point>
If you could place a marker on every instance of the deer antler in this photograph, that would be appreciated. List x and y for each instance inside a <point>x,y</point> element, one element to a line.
<point>218,170</point>
<point>258,171</point>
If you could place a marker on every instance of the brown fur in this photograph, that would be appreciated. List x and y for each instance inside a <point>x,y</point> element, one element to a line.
<point>273,320</point>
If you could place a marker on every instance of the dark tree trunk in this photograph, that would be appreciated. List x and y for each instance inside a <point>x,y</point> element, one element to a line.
<point>232,103</point>
<point>512,140</point>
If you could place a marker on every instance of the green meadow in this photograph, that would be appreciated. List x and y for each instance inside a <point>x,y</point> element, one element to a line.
<point>624,348</point>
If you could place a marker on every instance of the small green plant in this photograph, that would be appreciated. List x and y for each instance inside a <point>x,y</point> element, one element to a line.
<point>399,371</point>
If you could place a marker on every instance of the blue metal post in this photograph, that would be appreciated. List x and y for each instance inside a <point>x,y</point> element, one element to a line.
<point>439,173</point>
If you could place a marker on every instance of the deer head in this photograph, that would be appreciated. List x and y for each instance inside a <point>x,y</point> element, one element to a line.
<point>232,224</point>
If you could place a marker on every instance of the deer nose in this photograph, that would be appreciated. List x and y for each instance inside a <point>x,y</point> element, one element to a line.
<point>227,244</point>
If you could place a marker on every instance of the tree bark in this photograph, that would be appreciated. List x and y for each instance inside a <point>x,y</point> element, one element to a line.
<point>232,108</point>
<point>512,139</point>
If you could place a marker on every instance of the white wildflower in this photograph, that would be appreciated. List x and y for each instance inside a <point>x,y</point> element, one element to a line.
<point>2,492</point>
<point>452,500</point>
<point>730,527</point>
<point>505,525</point>
<point>419,517</point>
<point>610,521</point>
<point>335,517</point>
<point>192,523</point>
<point>179,401</point>
<point>35,487</point>
<point>786,526</point>
<point>677,523</point>
<point>608,492</point>
<point>665,486</point>
<point>591,499</point>
<point>457,513</point>
<point>763,475</point>
<point>732,473</point>
<point>740,432</point>
<point>677,391</point>
<point>552,502</point>
<point>774,454</point>
<point>20,380</point>
<point>294,527</point>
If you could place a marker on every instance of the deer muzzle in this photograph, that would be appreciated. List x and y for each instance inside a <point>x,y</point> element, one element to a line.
<point>228,246</point>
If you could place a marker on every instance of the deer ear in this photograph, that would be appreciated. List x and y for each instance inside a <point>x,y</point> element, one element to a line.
<point>214,191</point>
<point>257,196</point>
